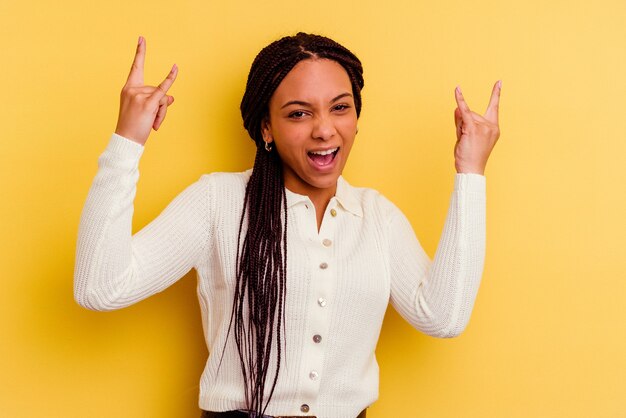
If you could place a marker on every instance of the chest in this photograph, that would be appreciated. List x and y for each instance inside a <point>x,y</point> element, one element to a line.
<point>344,263</point>
<point>345,258</point>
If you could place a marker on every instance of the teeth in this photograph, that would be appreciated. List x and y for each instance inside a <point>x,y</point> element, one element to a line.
<point>330,151</point>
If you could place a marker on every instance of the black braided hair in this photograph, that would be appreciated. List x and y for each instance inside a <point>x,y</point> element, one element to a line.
<point>258,314</point>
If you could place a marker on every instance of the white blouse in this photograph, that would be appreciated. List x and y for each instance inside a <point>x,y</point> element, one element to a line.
<point>340,280</point>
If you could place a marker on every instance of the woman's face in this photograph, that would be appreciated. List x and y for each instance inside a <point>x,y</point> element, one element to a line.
<point>312,123</point>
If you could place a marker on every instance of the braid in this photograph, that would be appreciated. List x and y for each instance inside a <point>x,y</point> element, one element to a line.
<point>258,313</point>
<point>261,276</point>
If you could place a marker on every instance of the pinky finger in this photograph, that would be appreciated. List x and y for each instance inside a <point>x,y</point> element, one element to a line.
<point>466,113</point>
<point>165,85</point>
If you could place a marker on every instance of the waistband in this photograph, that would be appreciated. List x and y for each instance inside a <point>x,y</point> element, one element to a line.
<point>242,414</point>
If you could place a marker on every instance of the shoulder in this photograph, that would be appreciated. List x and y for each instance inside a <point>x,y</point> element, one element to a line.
<point>224,182</point>
<point>220,190</point>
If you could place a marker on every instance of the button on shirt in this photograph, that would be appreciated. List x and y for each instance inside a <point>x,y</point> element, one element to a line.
<point>340,279</point>
<point>322,283</point>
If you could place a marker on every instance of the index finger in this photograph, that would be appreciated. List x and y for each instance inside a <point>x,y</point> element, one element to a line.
<point>135,78</point>
<point>492,109</point>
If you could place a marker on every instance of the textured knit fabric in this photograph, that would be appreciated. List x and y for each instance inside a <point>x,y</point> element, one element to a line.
<point>340,280</point>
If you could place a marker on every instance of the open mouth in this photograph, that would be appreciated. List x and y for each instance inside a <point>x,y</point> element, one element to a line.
<point>323,158</point>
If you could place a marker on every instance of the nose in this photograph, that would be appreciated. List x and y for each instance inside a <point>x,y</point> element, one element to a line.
<point>323,128</point>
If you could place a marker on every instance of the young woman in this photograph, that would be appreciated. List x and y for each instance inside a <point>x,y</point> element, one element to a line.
<point>295,267</point>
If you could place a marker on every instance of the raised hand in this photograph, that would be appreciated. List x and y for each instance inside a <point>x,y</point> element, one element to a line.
<point>476,135</point>
<point>142,107</point>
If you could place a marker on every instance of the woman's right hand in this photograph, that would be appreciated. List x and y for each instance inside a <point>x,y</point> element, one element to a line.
<point>143,108</point>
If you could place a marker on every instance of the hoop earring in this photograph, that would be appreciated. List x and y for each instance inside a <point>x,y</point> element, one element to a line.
<point>268,147</point>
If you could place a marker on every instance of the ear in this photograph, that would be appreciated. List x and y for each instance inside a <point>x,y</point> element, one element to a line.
<point>266,130</point>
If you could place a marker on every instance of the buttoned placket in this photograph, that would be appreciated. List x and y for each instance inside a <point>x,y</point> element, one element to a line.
<point>321,251</point>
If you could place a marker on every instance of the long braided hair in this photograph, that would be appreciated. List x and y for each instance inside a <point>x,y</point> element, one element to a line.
<point>258,314</point>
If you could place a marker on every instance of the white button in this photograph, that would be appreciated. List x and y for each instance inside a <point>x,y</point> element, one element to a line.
<point>321,302</point>
<point>304,408</point>
<point>324,266</point>
<point>327,242</point>
<point>313,375</point>
<point>317,339</point>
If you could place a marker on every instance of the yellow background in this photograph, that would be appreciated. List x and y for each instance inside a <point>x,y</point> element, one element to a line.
<point>548,333</point>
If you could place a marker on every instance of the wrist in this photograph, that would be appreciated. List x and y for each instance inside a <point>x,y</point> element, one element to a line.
<point>129,136</point>
<point>470,170</point>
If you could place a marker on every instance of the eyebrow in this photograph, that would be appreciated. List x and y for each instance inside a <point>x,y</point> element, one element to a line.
<point>302,103</point>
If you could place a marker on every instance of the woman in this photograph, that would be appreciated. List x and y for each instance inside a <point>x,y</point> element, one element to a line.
<point>295,266</point>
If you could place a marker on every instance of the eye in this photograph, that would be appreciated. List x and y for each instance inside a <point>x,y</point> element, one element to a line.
<point>298,114</point>
<point>340,107</point>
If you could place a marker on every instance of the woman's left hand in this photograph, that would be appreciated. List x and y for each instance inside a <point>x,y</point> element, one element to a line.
<point>476,135</point>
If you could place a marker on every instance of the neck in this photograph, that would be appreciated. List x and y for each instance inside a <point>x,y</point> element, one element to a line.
<point>319,196</point>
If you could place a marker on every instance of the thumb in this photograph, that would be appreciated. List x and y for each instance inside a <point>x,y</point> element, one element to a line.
<point>458,118</point>
<point>458,122</point>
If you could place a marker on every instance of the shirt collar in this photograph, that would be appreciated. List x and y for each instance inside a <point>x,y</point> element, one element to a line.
<point>295,198</point>
<point>344,195</point>
<point>347,197</point>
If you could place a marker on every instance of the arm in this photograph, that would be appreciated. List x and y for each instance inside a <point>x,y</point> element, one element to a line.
<point>112,268</point>
<point>115,269</point>
<point>437,297</point>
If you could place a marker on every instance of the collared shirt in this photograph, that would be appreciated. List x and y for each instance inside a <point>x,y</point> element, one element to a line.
<point>340,279</point>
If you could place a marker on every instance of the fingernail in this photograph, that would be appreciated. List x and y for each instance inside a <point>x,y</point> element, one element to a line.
<point>500,84</point>
<point>174,68</point>
<point>139,41</point>
<point>458,88</point>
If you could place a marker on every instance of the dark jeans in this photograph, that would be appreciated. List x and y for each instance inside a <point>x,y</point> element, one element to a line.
<point>239,414</point>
